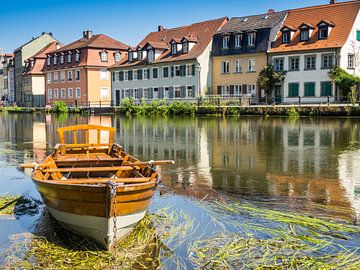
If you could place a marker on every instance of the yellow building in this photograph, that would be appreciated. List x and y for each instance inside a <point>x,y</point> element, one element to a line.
<point>240,53</point>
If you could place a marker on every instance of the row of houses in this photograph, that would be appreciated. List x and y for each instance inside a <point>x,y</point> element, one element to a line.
<point>217,57</point>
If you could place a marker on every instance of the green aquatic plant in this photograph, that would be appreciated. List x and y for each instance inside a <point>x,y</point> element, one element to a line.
<point>60,107</point>
<point>7,204</point>
<point>293,113</point>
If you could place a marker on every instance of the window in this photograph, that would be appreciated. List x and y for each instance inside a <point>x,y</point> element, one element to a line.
<point>237,90</point>
<point>190,91</point>
<point>104,56</point>
<point>113,76</point>
<point>130,75</point>
<point>225,67</point>
<point>323,32</point>
<point>177,91</point>
<point>155,73</point>
<point>310,62</point>
<point>56,76</point>
<point>294,63</point>
<point>121,76</point>
<point>293,89</point>
<point>62,59</point>
<point>140,55</point>
<point>286,37</point>
<point>251,89</point>
<point>77,57</point>
<point>117,57</point>
<point>70,93</point>
<point>78,92</point>
<point>166,92</point>
<point>56,93</point>
<point>351,61</point>
<point>49,94</point>
<point>237,67</point>
<point>185,47</point>
<point>104,92</point>
<point>251,65</point>
<point>135,74</point>
<point>126,75</point>
<point>225,42</point>
<point>237,41</point>
<point>130,56</point>
<point>70,75</point>
<point>63,93</point>
<point>48,60</point>
<point>190,70</point>
<point>326,89</point>
<point>279,64</point>
<point>49,77</point>
<point>225,90</point>
<point>146,93</point>
<point>173,48</point>
<point>150,55</point>
<point>139,74</point>
<point>55,59</point>
<point>177,71</point>
<point>62,76</point>
<point>136,93</point>
<point>309,89</point>
<point>251,39</point>
<point>103,74</point>
<point>327,61</point>
<point>304,34</point>
<point>165,72</point>
<point>77,75</point>
<point>69,57</point>
<point>146,71</point>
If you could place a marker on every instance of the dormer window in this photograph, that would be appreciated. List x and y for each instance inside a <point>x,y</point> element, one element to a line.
<point>77,57</point>
<point>140,54</point>
<point>48,60</point>
<point>62,58</point>
<point>173,48</point>
<point>305,31</point>
<point>185,46</point>
<point>323,32</point>
<point>117,57</point>
<point>150,55</point>
<point>69,57</point>
<point>104,56</point>
<point>286,37</point>
<point>324,29</point>
<point>251,39</point>
<point>225,42</point>
<point>130,56</point>
<point>237,41</point>
<point>55,59</point>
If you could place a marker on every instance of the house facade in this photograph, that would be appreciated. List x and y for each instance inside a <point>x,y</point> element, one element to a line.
<point>171,64</point>
<point>34,78</point>
<point>20,55</point>
<point>239,53</point>
<point>313,41</point>
<point>78,72</point>
<point>7,81</point>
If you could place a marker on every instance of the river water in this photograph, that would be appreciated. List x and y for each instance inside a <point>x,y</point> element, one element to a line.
<point>303,166</point>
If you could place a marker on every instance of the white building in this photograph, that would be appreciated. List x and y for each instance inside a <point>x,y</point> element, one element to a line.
<point>169,64</point>
<point>312,41</point>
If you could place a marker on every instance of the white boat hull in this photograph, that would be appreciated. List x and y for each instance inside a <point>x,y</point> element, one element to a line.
<point>99,229</point>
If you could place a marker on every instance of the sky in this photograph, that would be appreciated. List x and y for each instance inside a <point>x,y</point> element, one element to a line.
<point>126,21</point>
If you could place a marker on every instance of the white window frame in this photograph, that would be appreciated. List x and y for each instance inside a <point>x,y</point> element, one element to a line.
<point>251,65</point>
<point>63,91</point>
<point>55,59</point>
<point>56,76</point>
<point>185,47</point>
<point>70,93</point>
<point>166,92</point>
<point>285,37</point>
<point>77,71</point>
<point>56,93</point>
<point>49,77</point>
<point>158,77</point>
<point>104,56</point>
<point>351,61</point>
<point>62,59</point>
<point>126,75</point>
<point>304,34</point>
<point>177,68</point>
<point>70,75</point>
<point>117,57</point>
<point>78,92</point>
<point>176,87</point>
<point>101,92</point>
<point>48,61</point>
<point>225,42</point>
<point>237,41</point>
<point>150,55</point>
<point>145,72</point>
<point>49,94</point>
<point>189,70</point>
<point>104,74</point>
<point>62,76</point>
<point>173,48</point>
<point>225,67</point>
<point>187,91</point>
<point>135,74</point>
<point>277,65</point>
<point>77,57</point>
<point>237,66</point>
<point>251,39</point>
<point>237,90</point>
<point>69,58</point>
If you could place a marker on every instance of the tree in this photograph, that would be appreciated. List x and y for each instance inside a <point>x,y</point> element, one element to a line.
<point>268,78</point>
<point>346,82</point>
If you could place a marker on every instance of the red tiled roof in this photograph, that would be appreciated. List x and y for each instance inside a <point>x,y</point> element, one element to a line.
<point>202,31</point>
<point>48,48</point>
<point>342,15</point>
<point>99,41</point>
<point>157,45</point>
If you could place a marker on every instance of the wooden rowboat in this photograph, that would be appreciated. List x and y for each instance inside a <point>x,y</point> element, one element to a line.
<point>95,189</point>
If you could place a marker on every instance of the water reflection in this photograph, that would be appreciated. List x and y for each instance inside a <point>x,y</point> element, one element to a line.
<point>309,164</point>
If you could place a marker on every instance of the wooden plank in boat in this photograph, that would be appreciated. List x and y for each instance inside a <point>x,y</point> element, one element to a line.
<point>90,169</point>
<point>87,157</point>
<point>105,157</point>
<point>103,180</point>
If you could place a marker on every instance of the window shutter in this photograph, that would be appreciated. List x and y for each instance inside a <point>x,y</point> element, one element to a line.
<point>231,89</point>
<point>171,92</point>
<point>183,92</point>
<point>122,93</point>
<point>193,91</point>
<point>150,93</point>
<point>113,76</point>
<point>172,71</point>
<point>183,70</point>
<point>121,75</point>
<point>139,73</point>
<point>358,35</point>
<point>148,73</point>
<point>193,70</point>
<point>161,92</point>
<point>130,75</point>
<point>244,89</point>
<point>219,90</point>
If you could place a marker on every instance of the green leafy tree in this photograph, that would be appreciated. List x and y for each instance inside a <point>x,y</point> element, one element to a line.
<point>346,82</point>
<point>268,78</point>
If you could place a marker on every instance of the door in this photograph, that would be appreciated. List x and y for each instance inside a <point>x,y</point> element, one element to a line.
<point>277,90</point>
<point>117,99</point>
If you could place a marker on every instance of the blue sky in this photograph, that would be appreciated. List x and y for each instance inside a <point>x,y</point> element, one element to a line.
<point>127,21</point>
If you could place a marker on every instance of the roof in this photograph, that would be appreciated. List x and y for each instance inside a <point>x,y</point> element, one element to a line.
<point>342,15</point>
<point>202,31</point>
<point>39,59</point>
<point>99,41</point>
<point>34,38</point>
<point>253,22</point>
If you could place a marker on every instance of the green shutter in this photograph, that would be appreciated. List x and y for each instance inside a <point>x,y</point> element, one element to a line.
<point>326,88</point>
<point>309,90</point>
<point>358,35</point>
<point>293,89</point>
<point>193,70</point>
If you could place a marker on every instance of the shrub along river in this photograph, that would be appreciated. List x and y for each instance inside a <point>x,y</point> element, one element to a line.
<point>245,192</point>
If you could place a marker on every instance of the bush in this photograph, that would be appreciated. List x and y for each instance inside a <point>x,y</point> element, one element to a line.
<point>177,108</point>
<point>60,107</point>
<point>293,113</point>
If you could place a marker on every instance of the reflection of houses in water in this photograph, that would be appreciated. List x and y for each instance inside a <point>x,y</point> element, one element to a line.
<point>39,141</point>
<point>349,176</point>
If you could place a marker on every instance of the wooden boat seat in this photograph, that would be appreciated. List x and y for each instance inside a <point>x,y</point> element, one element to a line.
<point>102,180</point>
<point>90,169</point>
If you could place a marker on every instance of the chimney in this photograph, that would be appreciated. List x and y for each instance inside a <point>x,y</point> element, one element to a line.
<point>50,34</point>
<point>332,2</point>
<point>271,11</point>
<point>160,28</point>
<point>87,34</point>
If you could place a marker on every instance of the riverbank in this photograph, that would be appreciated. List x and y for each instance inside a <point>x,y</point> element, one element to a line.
<point>183,108</point>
